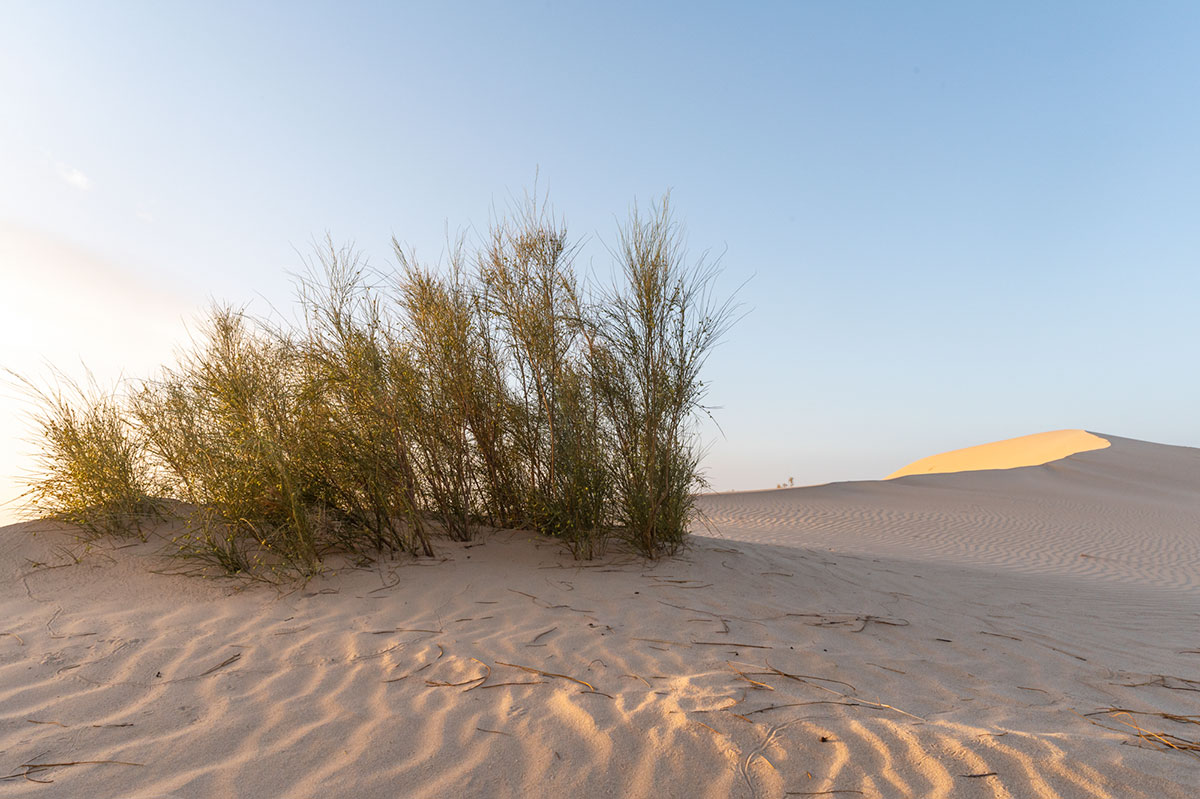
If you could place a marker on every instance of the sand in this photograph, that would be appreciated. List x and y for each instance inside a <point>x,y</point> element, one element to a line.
<point>1011,453</point>
<point>940,635</point>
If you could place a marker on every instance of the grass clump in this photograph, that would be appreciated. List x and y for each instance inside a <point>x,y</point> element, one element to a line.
<point>91,468</point>
<point>498,389</point>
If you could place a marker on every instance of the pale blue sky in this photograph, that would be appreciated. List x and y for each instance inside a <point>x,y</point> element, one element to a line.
<point>959,223</point>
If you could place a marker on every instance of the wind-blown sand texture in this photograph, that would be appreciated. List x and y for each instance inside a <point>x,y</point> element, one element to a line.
<point>940,635</point>
<point>1011,453</point>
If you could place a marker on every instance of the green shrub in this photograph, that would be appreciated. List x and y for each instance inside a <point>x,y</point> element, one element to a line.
<point>92,470</point>
<point>228,427</point>
<point>496,390</point>
<point>649,337</point>
<point>439,332</point>
<point>532,295</point>
<point>359,376</point>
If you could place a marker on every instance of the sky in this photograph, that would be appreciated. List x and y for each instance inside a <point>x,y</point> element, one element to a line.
<point>946,223</point>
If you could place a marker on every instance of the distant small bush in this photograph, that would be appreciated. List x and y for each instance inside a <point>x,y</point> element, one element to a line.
<point>496,390</point>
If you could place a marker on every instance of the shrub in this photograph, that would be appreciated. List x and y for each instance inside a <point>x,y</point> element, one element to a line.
<point>532,295</point>
<point>358,376</point>
<point>498,389</point>
<point>229,426</point>
<point>441,387</point>
<point>649,337</point>
<point>91,469</point>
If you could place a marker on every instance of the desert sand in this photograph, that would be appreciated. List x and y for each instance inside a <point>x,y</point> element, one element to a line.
<point>936,635</point>
<point>1011,453</point>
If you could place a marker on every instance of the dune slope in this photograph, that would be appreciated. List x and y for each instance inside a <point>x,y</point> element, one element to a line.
<point>1011,453</point>
<point>945,635</point>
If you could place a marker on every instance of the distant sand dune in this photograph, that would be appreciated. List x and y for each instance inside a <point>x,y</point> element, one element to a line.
<point>1008,454</point>
<point>1126,514</point>
<point>941,635</point>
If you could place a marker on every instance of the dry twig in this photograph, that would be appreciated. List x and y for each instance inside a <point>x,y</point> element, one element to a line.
<point>532,670</point>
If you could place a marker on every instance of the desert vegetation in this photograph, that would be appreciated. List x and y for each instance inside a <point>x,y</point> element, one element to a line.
<point>500,388</point>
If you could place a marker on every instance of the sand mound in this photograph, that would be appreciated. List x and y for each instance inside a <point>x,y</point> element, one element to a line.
<point>1008,454</point>
<point>944,636</point>
<point>1128,513</point>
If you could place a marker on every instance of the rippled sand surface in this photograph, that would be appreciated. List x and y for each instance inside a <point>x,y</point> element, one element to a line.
<point>955,635</point>
<point>1127,514</point>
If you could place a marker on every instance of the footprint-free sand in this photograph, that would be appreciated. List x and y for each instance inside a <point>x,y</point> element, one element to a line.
<point>1000,632</point>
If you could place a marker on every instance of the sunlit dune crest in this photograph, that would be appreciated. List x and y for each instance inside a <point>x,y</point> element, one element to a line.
<point>1011,453</point>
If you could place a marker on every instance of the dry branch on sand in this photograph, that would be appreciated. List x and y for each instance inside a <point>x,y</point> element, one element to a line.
<point>532,670</point>
<point>1161,739</point>
<point>34,768</point>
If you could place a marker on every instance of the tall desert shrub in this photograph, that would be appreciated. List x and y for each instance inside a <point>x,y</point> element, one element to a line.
<point>531,287</point>
<point>498,389</point>
<point>495,414</point>
<point>649,336</point>
<point>358,376</point>
<point>227,424</point>
<point>439,326</point>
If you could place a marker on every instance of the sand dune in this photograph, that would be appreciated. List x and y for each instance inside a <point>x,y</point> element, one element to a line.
<point>1127,513</point>
<point>942,635</point>
<point>1011,453</point>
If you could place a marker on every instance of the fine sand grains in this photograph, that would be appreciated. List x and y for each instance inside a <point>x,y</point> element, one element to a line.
<point>1020,633</point>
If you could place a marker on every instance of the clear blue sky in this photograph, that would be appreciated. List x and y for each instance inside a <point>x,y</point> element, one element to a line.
<point>960,222</point>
